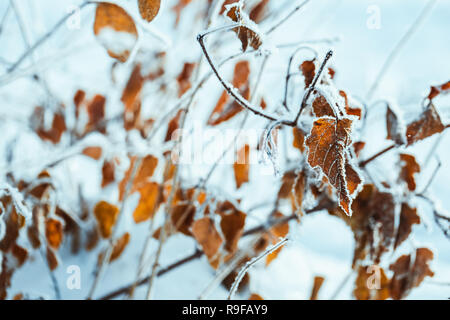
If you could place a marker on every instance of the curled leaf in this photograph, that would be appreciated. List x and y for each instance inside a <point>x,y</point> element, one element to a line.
<point>428,124</point>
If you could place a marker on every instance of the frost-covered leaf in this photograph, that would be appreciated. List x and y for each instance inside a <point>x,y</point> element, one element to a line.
<point>247,36</point>
<point>308,69</point>
<point>327,147</point>
<point>395,130</point>
<point>148,202</point>
<point>428,124</point>
<point>437,90</point>
<point>115,30</point>
<point>259,10</point>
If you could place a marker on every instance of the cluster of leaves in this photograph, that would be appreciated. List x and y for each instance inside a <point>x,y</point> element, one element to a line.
<point>328,170</point>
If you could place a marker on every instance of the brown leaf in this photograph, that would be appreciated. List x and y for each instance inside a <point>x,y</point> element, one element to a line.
<point>427,125</point>
<point>53,232</point>
<point>119,246</point>
<point>174,124</point>
<point>106,215</point>
<point>232,224</point>
<point>308,69</point>
<point>182,217</point>
<point>348,109</point>
<point>408,275</point>
<point>112,18</point>
<point>96,112</point>
<point>258,11</point>
<point>148,202</point>
<point>394,130</point>
<point>408,217</point>
<point>133,89</point>
<point>57,129</point>
<point>242,166</point>
<point>149,9</point>
<point>255,296</point>
<point>327,144</point>
<point>278,231</point>
<point>108,172</point>
<point>299,139</point>
<point>184,78</point>
<point>93,152</point>
<point>205,232</point>
<point>318,281</point>
<point>322,108</point>
<point>143,173</point>
<point>366,289</point>
<point>52,259</point>
<point>409,168</point>
<point>437,90</point>
<point>372,224</point>
<point>247,36</point>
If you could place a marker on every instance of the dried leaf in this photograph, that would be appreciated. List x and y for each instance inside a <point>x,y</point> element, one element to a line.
<point>148,202</point>
<point>57,129</point>
<point>108,173</point>
<point>242,166</point>
<point>184,78</point>
<point>322,108</point>
<point>93,152</point>
<point>258,11</point>
<point>53,232</point>
<point>437,90</point>
<point>372,223</point>
<point>308,69</point>
<point>394,130</point>
<point>255,296</point>
<point>409,168</point>
<point>247,36</point>
<point>149,9</point>
<point>318,281</point>
<point>205,232</point>
<point>299,139</point>
<point>173,126</point>
<point>371,284</point>
<point>408,217</point>
<point>52,259</point>
<point>143,173</point>
<point>231,224</point>
<point>327,144</point>
<point>106,215</point>
<point>96,112</point>
<point>427,125</point>
<point>132,90</point>
<point>115,30</point>
<point>119,246</point>
<point>348,109</point>
<point>182,217</point>
<point>408,275</point>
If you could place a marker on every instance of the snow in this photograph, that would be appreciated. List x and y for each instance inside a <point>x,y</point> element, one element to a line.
<point>322,244</point>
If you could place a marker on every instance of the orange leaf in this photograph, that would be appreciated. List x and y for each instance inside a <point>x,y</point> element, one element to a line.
<point>255,296</point>
<point>409,275</point>
<point>54,232</point>
<point>428,124</point>
<point>327,144</point>
<point>299,139</point>
<point>232,224</point>
<point>242,165</point>
<point>52,259</point>
<point>408,217</point>
<point>148,203</point>
<point>363,289</point>
<point>116,30</point>
<point>322,108</point>
<point>318,281</point>
<point>308,69</point>
<point>107,173</point>
<point>184,78</point>
<point>409,168</point>
<point>106,215</point>
<point>149,9</point>
<point>258,11</point>
<point>205,232</point>
<point>119,246</point>
<point>93,152</point>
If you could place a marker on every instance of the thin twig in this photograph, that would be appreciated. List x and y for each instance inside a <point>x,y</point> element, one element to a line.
<point>399,46</point>
<point>286,18</point>
<point>376,155</point>
<point>45,37</point>
<point>249,264</point>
